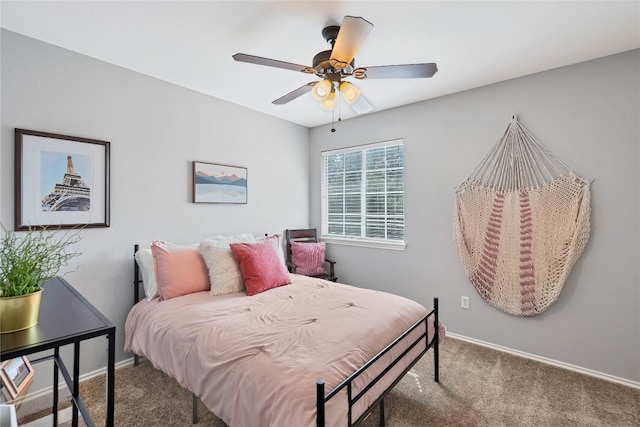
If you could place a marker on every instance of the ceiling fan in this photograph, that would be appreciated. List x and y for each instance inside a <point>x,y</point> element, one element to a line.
<point>337,64</point>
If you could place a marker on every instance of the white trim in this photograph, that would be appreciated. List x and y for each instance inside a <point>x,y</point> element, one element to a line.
<point>365,146</point>
<point>64,416</point>
<point>361,240</point>
<point>62,385</point>
<point>375,244</point>
<point>545,360</point>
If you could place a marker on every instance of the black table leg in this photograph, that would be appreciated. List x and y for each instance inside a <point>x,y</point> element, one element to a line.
<point>56,355</point>
<point>75,389</point>
<point>111,380</point>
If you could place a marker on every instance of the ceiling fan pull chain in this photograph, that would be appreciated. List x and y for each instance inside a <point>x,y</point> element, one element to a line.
<point>333,120</point>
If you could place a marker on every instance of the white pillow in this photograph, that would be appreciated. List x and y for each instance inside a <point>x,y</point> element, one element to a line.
<point>275,241</point>
<point>224,272</point>
<point>144,258</point>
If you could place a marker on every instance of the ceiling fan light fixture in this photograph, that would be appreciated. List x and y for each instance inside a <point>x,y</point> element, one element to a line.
<point>322,90</point>
<point>350,93</point>
<point>330,102</point>
<point>362,106</point>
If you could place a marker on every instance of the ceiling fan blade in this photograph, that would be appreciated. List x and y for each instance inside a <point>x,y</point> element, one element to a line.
<point>408,71</point>
<point>251,59</point>
<point>353,31</point>
<point>361,105</point>
<point>294,94</point>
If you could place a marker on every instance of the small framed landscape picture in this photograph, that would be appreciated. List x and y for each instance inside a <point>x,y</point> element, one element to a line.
<point>15,375</point>
<point>216,183</point>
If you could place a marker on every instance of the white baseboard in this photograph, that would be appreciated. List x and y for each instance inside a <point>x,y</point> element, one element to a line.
<point>548,361</point>
<point>41,399</point>
<point>64,416</point>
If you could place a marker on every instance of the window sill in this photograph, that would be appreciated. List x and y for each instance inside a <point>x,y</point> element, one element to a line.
<point>375,244</point>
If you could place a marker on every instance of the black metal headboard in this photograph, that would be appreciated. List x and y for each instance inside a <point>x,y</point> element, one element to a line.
<point>136,276</point>
<point>136,290</point>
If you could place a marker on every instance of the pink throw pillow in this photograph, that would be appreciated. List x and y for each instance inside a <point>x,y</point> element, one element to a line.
<point>308,258</point>
<point>180,270</point>
<point>260,267</point>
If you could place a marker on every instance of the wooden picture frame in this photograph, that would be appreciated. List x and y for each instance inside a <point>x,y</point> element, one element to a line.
<point>61,181</point>
<point>217,183</point>
<point>15,375</point>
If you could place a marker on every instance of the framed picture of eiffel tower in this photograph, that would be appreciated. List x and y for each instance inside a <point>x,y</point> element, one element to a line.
<point>61,181</point>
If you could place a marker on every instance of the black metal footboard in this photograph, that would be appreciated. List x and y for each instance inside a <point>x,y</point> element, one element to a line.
<point>423,339</point>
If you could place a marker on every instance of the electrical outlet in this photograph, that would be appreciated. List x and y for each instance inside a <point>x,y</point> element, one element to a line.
<point>464,302</point>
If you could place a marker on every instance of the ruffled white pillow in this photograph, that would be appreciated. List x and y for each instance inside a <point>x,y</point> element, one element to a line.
<point>224,272</point>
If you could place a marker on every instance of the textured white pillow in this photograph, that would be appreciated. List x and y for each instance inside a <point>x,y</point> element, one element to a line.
<point>144,258</point>
<point>224,272</point>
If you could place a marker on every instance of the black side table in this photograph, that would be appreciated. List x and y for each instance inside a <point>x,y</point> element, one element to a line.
<point>66,317</point>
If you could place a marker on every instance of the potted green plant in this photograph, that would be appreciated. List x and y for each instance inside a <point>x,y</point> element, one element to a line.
<point>26,263</point>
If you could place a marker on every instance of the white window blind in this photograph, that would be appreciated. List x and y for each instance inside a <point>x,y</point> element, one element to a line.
<point>363,192</point>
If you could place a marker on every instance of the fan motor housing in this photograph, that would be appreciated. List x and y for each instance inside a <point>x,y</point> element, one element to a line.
<point>322,66</point>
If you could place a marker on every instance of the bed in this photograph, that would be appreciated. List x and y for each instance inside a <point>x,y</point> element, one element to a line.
<point>311,353</point>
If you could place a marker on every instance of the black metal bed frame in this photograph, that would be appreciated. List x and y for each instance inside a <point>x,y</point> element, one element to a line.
<point>321,397</point>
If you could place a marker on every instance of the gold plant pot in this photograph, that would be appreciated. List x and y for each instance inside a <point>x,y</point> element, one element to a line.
<point>18,313</point>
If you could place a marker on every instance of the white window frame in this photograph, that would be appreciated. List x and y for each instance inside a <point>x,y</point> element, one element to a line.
<point>352,240</point>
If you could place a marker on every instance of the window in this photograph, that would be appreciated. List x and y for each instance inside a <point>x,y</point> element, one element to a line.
<point>363,194</point>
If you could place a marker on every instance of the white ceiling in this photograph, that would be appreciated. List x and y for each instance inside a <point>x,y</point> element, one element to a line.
<point>191,43</point>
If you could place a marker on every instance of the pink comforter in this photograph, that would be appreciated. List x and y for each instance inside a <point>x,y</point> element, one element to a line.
<point>254,361</point>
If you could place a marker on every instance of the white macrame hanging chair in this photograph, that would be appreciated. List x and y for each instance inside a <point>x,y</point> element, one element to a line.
<point>521,222</point>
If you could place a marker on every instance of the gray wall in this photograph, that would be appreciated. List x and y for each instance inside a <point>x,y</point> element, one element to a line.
<point>588,115</point>
<point>156,130</point>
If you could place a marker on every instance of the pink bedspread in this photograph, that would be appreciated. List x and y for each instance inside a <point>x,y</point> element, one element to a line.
<point>254,361</point>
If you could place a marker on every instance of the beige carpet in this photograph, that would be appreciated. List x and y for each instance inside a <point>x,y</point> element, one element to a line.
<point>478,387</point>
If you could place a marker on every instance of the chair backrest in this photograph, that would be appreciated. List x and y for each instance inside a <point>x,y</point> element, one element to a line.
<point>306,235</point>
